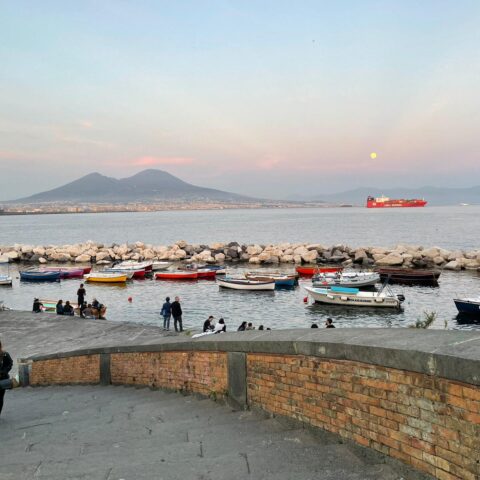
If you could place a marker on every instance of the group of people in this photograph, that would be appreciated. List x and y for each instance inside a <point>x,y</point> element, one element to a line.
<point>249,326</point>
<point>209,326</point>
<point>328,324</point>
<point>170,310</point>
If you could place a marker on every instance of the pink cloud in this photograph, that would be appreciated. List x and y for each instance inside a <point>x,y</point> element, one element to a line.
<point>153,161</point>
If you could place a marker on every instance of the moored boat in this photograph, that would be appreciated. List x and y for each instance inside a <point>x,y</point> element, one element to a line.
<point>206,273</point>
<point>244,284</point>
<point>219,269</point>
<point>157,266</point>
<point>355,297</point>
<point>346,279</point>
<point>470,306</point>
<point>410,276</point>
<point>106,277</point>
<point>132,271</point>
<point>129,273</point>
<point>132,264</point>
<point>39,276</point>
<point>65,272</point>
<point>176,275</point>
<point>281,280</point>
<point>310,271</point>
<point>5,280</point>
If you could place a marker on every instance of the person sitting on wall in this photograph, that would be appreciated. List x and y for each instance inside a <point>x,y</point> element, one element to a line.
<point>329,323</point>
<point>208,324</point>
<point>37,306</point>
<point>250,326</point>
<point>242,327</point>
<point>98,309</point>
<point>88,311</point>
<point>220,326</point>
<point>59,307</point>
<point>314,325</point>
<point>67,308</point>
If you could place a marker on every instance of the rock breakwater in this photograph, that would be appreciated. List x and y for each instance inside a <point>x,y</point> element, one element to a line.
<point>408,256</point>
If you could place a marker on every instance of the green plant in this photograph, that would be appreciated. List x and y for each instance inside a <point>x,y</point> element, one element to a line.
<point>428,319</point>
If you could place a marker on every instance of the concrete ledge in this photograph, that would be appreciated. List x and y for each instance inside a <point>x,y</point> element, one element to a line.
<point>453,355</point>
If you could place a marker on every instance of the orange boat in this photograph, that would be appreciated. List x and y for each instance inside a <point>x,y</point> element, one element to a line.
<point>310,271</point>
<point>177,275</point>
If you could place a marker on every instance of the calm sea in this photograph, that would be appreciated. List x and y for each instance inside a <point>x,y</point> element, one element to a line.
<point>448,227</point>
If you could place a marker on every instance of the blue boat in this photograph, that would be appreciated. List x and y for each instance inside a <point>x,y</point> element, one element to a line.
<point>468,305</point>
<point>39,276</point>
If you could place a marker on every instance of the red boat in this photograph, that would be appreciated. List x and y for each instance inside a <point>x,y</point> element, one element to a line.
<point>178,275</point>
<point>385,202</point>
<point>310,271</point>
<point>206,273</point>
<point>86,270</point>
<point>65,272</point>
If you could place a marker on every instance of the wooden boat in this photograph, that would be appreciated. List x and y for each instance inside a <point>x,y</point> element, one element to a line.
<point>353,297</point>
<point>128,273</point>
<point>51,307</point>
<point>219,269</point>
<point>65,272</point>
<point>409,276</point>
<point>244,284</point>
<point>281,280</point>
<point>310,271</point>
<point>106,277</point>
<point>158,266</point>
<point>176,275</point>
<point>470,306</point>
<point>346,279</point>
<point>5,280</point>
<point>86,270</point>
<point>132,272</point>
<point>39,276</point>
<point>206,273</point>
<point>130,263</point>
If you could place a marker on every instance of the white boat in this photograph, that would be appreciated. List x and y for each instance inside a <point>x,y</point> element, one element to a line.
<point>354,297</point>
<point>243,284</point>
<point>346,279</point>
<point>5,280</point>
<point>129,273</point>
<point>135,265</point>
<point>157,266</point>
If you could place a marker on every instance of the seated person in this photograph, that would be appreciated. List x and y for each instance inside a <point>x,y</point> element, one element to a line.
<point>59,307</point>
<point>207,325</point>
<point>88,311</point>
<point>67,308</point>
<point>97,308</point>
<point>83,306</point>
<point>242,327</point>
<point>37,306</point>
<point>220,326</point>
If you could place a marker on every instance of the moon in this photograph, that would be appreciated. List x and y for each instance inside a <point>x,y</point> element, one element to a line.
<point>373,155</point>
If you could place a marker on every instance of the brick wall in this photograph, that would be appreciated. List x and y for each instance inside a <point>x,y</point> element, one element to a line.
<point>430,423</point>
<point>200,372</point>
<point>79,370</point>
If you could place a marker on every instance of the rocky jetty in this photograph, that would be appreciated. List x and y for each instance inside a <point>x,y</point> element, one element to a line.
<point>408,256</point>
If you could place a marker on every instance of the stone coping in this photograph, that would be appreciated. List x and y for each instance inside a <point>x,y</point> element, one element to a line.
<point>454,355</point>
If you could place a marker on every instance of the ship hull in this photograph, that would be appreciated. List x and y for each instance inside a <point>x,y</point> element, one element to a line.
<point>397,204</point>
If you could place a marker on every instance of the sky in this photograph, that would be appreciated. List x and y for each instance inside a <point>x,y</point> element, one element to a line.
<point>263,97</point>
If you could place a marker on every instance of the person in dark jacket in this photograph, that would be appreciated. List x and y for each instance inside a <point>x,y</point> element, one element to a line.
<point>208,324</point>
<point>242,327</point>
<point>166,313</point>
<point>177,315</point>
<point>329,323</point>
<point>59,307</point>
<point>81,292</point>
<point>6,365</point>
<point>67,308</point>
<point>37,306</point>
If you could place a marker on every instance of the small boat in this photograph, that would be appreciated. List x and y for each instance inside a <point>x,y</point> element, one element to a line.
<point>221,270</point>
<point>130,263</point>
<point>281,280</point>
<point>346,279</point>
<point>310,271</point>
<point>39,276</point>
<point>354,297</point>
<point>129,273</point>
<point>5,280</point>
<point>157,266</point>
<point>470,306</point>
<point>410,276</point>
<point>176,275</point>
<point>206,273</point>
<point>244,284</point>
<point>86,270</point>
<point>106,277</point>
<point>132,272</point>
<point>65,272</point>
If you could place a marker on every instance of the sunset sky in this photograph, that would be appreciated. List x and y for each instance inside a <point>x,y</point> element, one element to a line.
<point>267,98</point>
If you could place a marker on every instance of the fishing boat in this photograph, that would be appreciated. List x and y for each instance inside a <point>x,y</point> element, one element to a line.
<point>65,272</point>
<point>39,276</point>
<point>206,273</point>
<point>410,276</point>
<point>281,280</point>
<point>244,284</point>
<point>353,297</point>
<point>129,273</point>
<point>136,272</point>
<point>219,269</point>
<point>157,266</point>
<point>176,275</point>
<point>310,271</point>
<point>470,306</point>
<point>106,277</point>
<point>130,263</point>
<point>5,280</point>
<point>346,279</point>
<point>86,270</point>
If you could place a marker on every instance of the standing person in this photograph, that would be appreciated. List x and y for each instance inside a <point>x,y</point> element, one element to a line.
<point>177,315</point>
<point>166,313</point>
<point>81,293</point>
<point>329,323</point>
<point>6,365</point>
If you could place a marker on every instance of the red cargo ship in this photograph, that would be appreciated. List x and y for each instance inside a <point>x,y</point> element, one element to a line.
<point>385,202</point>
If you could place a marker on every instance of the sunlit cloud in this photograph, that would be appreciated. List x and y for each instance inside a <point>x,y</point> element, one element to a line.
<point>162,161</point>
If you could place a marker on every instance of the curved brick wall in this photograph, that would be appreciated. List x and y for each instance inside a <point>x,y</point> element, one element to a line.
<point>420,405</point>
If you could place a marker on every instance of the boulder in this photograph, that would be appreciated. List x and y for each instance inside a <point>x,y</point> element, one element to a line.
<point>310,256</point>
<point>452,265</point>
<point>61,257</point>
<point>272,259</point>
<point>232,252</point>
<point>392,259</point>
<point>359,255</point>
<point>439,260</point>
<point>180,254</point>
<point>102,256</point>
<point>149,254</point>
<point>84,258</point>
<point>181,244</point>
<point>26,249</point>
<point>254,249</point>
<point>217,246</point>
<point>42,260</point>
<point>286,259</point>
<point>431,252</point>
<point>471,264</point>
<point>378,251</point>
<point>297,259</point>
<point>13,255</point>
<point>220,257</point>
<point>39,251</point>
<point>244,257</point>
<point>4,259</point>
<point>254,260</point>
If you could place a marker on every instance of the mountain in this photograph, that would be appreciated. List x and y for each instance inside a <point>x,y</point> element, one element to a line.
<point>434,195</point>
<point>147,186</point>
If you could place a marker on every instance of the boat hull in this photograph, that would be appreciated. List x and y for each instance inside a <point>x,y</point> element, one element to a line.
<point>40,276</point>
<point>409,277</point>
<point>350,299</point>
<point>176,275</point>
<point>4,280</point>
<point>247,285</point>
<point>280,281</point>
<point>357,281</point>
<point>470,307</point>
<point>310,271</point>
<point>66,272</point>
<point>159,266</point>
<point>105,278</point>
<point>384,202</point>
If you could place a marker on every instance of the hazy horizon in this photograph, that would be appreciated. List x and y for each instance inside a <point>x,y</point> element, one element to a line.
<point>264,99</point>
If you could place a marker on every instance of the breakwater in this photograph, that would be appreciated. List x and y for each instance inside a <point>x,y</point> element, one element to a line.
<point>409,256</point>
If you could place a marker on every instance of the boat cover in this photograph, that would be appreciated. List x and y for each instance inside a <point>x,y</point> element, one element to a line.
<point>344,290</point>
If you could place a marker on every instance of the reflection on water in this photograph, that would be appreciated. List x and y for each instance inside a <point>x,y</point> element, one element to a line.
<point>279,309</point>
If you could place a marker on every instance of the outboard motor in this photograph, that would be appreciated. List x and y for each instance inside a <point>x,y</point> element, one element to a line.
<point>401,297</point>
